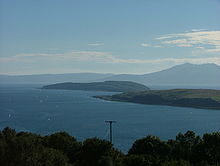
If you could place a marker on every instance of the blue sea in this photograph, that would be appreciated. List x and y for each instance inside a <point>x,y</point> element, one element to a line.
<point>28,108</point>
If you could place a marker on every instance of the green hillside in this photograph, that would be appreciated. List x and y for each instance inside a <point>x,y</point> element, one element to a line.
<point>197,98</point>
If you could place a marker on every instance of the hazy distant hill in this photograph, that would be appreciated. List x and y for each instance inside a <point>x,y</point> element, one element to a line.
<point>184,74</point>
<point>52,78</point>
<point>181,75</point>
<point>110,86</point>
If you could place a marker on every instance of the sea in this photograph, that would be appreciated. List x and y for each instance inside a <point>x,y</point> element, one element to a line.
<point>29,108</point>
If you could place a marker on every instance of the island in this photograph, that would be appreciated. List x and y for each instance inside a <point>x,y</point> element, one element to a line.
<point>109,86</point>
<point>195,98</point>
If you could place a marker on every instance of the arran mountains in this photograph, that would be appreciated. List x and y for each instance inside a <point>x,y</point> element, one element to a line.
<point>180,75</point>
<point>186,74</point>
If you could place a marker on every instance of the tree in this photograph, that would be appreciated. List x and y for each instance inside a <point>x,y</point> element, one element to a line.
<point>176,163</point>
<point>138,160</point>
<point>65,143</point>
<point>184,146</point>
<point>152,146</point>
<point>25,149</point>
<point>93,151</point>
<point>211,148</point>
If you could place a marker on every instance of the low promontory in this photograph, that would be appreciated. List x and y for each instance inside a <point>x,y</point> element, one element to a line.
<point>196,98</point>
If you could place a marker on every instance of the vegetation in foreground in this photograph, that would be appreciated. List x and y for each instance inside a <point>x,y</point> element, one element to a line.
<point>196,98</point>
<point>61,149</point>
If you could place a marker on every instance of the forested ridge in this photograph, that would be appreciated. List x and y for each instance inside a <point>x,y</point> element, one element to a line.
<point>62,149</point>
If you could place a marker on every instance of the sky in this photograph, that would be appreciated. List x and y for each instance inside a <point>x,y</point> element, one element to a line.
<point>106,36</point>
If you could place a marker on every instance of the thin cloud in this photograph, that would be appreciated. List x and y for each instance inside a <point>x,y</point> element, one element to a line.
<point>145,45</point>
<point>100,57</point>
<point>197,30</point>
<point>209,40</point>
<point>150,45</point>
<point>53,49</point>
<point>158,46</point>
<point>95,44</point>
<point>215,60</point>
<point>67,56</point>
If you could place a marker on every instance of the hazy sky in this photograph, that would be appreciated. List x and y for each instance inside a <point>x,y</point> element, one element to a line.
<point>106,36</point>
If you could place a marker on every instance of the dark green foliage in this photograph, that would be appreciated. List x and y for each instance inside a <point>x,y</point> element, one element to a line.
<point>96,152</point>
<point>211,148</point>
<point>184,147</point>
<point>50,157</point>
<point>176,163</point>
<point>151,146</point>
<point>25,149</point>
<point>65,143</point>
<point>140,160</point>
<point>61,149</point>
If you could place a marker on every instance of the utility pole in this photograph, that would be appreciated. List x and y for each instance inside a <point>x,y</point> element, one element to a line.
<point>110,126</point>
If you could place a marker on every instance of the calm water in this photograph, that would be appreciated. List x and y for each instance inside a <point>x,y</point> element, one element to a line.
<point>77,112</point>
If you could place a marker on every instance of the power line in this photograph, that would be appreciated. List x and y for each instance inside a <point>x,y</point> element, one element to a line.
<point>110,127</point>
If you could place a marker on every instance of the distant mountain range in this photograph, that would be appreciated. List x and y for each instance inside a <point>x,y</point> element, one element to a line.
<point>185,75</point>
<point>52,78</point>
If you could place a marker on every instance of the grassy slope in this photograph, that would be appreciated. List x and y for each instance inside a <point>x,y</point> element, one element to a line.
<point>198,98</point>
